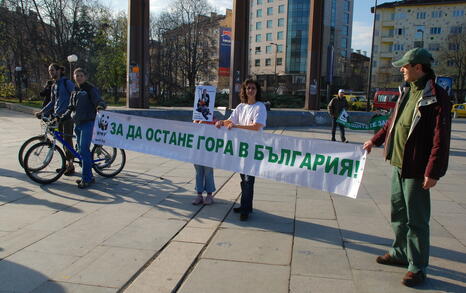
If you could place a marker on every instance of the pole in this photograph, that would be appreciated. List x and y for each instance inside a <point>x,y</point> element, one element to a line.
<point>369,81</point>
<point>71,78</point>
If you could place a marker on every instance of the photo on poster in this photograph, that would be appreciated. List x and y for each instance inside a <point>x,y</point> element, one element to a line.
<point>446,83</point>
<point>204,103</point>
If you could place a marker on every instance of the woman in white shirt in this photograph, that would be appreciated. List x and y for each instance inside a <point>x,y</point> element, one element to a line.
<point>251,114</point>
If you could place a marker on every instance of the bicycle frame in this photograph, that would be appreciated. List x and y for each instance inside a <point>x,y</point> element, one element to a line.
<point>58,135</point>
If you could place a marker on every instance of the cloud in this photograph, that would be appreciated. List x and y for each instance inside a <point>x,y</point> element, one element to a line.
<point>362,36</point>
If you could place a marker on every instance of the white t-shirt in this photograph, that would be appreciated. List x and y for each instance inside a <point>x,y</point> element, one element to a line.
<point>246,114</point>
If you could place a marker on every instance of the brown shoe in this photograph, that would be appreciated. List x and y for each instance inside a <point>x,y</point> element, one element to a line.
<point>387,259</point>
<point>413,279</point>
<point>69,171</point>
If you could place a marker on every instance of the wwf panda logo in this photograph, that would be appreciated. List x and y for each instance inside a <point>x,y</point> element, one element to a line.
<point>103,122</point>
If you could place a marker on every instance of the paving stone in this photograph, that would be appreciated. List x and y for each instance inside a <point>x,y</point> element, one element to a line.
<point>146,233</point>
<point>58,287</point>
<point>15,241</point>
<point>105,266</point>
<point>362,257</point>
<point>320,262</point>
<point>175,207</point>
<point>14,218</point>
<point>366,229</point>
<point>164,273</point>
<point>300,284</point>
<point>318,233</point>
<point>250,246</point>
<point>315,209</point>
<point>233,277</point>
<point>195,235</point>
<point>259,220</point>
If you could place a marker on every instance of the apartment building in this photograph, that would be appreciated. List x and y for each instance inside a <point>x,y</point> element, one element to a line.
<point>404,25</point>
<point>278,40</point>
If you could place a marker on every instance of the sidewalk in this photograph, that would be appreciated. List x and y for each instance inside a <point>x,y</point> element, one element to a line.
<point>138,232</point>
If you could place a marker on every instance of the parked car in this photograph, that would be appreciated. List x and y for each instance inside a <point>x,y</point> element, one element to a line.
<point>358,103</point>
<point>458,110</point>
<point>385,100</point>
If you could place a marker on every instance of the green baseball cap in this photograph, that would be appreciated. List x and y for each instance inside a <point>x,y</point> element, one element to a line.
<point>415,56</point>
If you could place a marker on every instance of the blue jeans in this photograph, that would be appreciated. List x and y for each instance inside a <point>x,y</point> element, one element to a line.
<point>204,179</point>
<point>84,136</point>
<point>247,192</point>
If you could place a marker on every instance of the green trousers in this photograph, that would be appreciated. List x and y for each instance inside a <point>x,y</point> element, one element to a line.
<point>410,214</point>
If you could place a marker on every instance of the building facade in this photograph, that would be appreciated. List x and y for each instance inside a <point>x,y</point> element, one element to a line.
<point>404,25</point>
<point>279,35</point>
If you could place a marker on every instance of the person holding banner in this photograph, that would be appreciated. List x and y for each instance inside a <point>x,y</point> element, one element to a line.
<point>335,107</point>
<point>250,114</point>
<point>204,179</point>
<point>417,142</point>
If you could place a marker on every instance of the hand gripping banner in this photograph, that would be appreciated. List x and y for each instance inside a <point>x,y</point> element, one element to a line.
<point>324,165</point>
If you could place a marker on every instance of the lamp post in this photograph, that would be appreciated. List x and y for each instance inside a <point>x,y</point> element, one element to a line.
<point>18,71</point>
<point>275,64</point>
<point>368,106</point>
<point>72,59</point>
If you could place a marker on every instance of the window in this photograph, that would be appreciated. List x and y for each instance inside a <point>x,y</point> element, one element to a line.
<point>400,15</point>
<point>258,38</point>
<point>257,62</point>
<point>376,48</point>
<point>398,47</point>
<point>279,48</point>
<point>279,35</point>
<point>268,62</point>
<point>345,30</point>
<point>279,61</point>
<point>269,23</point>
<point>392,16</point>
<point>268,37</point>
<point>281,8</point>
<point>281,22</point>
<point>259,2</point>
<point>457,13</point>
<point>453,46</point>
<point>451,63</point>
<point>435,30</point>
<point>421,15</point>
<point>269,10</point>
<point>268,49</point>
<point>377,17</point>
<point>400,31</point>
<point>258,50</point>
<point>456,29</point>
<point>347,18</point>
<point>436,14</point>
<point>347,5</point>
<point>269,1</point>
<point>259,13</point>
<point>258,25</point>
<point>434,47</point>
<point>344,53</point>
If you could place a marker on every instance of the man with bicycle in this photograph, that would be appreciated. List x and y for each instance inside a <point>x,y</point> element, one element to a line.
<point>59,101</point>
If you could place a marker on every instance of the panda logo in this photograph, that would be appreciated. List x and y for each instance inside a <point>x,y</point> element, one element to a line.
<point>103,122</point>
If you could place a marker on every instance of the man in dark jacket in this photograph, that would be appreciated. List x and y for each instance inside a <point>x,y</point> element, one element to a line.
<point>84,103</point>
<point>417,142</point>
<point>335,107</point>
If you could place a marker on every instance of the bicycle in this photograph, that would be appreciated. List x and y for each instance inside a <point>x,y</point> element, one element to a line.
<point>45,161</point>
<point>45,136</point>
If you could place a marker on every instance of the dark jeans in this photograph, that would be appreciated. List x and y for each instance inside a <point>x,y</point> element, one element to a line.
<point>66,127</point>
<point>334,129</point>
<point>247,192</point>
<point>83,137</point>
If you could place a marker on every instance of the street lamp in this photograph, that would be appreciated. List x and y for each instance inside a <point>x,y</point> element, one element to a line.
<point>369,92</point>
<point>72,59</point>
<point>275,64</point>
<point>18,71</point>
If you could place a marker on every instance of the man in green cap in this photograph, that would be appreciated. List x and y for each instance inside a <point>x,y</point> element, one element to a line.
<point>417,142</point>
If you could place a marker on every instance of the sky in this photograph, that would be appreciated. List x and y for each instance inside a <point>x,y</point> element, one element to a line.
<point>362,17</point>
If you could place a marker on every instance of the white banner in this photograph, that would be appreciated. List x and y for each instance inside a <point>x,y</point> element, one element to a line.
<point>324,165</point>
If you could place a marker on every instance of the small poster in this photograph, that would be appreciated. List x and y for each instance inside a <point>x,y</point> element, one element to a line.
<point>204,102</point>
<point>446,83</point>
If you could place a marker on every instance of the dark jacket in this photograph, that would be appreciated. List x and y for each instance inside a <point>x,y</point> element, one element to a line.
<point>337,105</point>
<point>83,104</point>
<point>427,147</point>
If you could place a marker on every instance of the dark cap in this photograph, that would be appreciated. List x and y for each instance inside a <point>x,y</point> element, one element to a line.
<point>415,56</point>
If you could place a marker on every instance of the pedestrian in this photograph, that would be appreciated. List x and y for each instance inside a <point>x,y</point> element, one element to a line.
<point>250,114</point>
<point>204,179</point>
<point>335,107</point>
<point>59,101</point>
<point>46,92</point>
<point>84,103</point>
<point>417,142</point>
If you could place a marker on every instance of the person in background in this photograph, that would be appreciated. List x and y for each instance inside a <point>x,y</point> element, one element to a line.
<point>417,143</point>
<point>250,114</point>
<point>59,101</point>
<point>84,103</point>
<point>46,92</point>
<point>336,105</point>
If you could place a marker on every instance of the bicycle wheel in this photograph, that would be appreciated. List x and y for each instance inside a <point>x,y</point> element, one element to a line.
<point>44,163</point>
<point>27,144</point>
<point>108,161</point>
